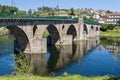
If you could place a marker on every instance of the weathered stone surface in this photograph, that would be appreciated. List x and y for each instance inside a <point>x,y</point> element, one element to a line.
<point>29,33</point>
<point>66,40</point>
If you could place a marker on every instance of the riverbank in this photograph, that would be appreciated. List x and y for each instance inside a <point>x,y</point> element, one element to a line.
<point>111,33</point>
<point>4,31</point>
<point>72,77</point>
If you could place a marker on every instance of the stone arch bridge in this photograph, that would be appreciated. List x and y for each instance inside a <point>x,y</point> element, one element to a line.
<point>29,32</point>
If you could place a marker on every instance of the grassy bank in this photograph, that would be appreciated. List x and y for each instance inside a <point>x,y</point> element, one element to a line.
<point>72,77</point>
<point>111,33</point>
<point>4,31</point>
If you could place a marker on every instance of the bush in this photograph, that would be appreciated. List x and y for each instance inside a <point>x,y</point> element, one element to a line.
<point>103,27</point>
<point>110,26</point>
<point>106,27</point>
<point>24,66</point>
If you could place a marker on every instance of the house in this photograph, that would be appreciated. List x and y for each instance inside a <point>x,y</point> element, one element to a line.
<point>112,18</point>
<point>101,20</point>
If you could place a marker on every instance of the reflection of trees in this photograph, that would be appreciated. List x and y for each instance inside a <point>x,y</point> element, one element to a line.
<point>109,41</point>
<point>112,45</point>
<point>60,56</point>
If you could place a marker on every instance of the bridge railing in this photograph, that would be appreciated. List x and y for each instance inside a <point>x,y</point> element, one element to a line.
<point>9,16</point>
<point>91,22</point>
<point>2,16</point>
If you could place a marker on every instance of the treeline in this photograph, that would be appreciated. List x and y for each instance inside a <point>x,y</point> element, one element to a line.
<point>105,27</point>
<point>44,10</point>
<point>10,10</point>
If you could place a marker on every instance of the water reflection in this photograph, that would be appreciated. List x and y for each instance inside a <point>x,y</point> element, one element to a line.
<point>92,57</point>
<point>59,57</point>
<point>112,45</point>
<point>6,55</point>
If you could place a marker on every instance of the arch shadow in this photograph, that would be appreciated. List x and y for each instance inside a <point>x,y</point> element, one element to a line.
<point>53,35</point>
<point>96,28</point>
<point>53,59</point>
<point>21,42</point>
<point>85,28</point>
<point>92,27</point>
<point>72,31</point>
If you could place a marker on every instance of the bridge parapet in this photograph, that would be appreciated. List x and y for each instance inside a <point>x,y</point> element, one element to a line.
<point>62,31</point>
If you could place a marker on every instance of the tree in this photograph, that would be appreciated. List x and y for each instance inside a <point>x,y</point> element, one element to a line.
<point>85,18</point>
<point>103,27</point>
<point>91,18</point>
<point>109,12</point>
<point>20,12</point>
<point>72,11</point>
<point>110,26</point>
<point>30,11</point>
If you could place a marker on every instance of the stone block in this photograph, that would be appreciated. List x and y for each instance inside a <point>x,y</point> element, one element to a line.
<point>39,46</point>
<point>66,40</point>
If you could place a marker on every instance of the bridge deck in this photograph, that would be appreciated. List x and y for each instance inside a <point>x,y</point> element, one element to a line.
<point>36,17</point>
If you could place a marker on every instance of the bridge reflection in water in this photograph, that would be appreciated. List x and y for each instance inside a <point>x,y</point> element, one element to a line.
<point>59,57</point>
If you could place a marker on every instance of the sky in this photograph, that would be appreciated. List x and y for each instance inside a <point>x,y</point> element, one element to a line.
<point>113,5</point>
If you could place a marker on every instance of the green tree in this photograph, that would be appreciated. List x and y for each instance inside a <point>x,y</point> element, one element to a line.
<point>85,18</point>
<point>91,18</point>
<point>110,26</point>
<point>20,12</point>
<point>103,27</point>
<point>72,11</point>
<point>30,11</point>
<point>109,12</point>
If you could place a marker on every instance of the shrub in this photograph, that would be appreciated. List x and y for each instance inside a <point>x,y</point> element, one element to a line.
<point>24,66</point>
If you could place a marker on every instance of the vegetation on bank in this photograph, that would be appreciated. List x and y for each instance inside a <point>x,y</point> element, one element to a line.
<point>4,31</point>
<point>24,71</point>
<point>115,32</point>
<point>70,77</point>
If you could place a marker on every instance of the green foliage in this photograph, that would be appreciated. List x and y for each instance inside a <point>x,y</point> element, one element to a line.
<point>71,11</point>
<point>65,74</point>
<point>85,18</point>
<point>110,26</point>
<point>29,11</point>
<point>109,12</point>
<point>45,34</point>
<point>105,27</point>
<point>111,33</point>
<point>4,31</point>
<point>24,66</point>
<point>20,12</point>
<point>91,18</point>
<point>70,77</point>
<point>9,10</point>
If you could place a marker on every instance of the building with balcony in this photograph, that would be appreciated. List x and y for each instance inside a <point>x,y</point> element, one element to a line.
<point>112,18</point>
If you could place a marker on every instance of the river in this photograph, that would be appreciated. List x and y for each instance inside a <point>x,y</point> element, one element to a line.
<point>92,57</point>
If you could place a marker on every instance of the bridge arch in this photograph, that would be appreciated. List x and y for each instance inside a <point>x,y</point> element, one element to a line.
<point>53,34</point>
<point>85,28</point>
<point>22,42</point>
<point>92,27</point>
<point>97,29</point>
<point>34,29</point>
<point>72,31</point>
